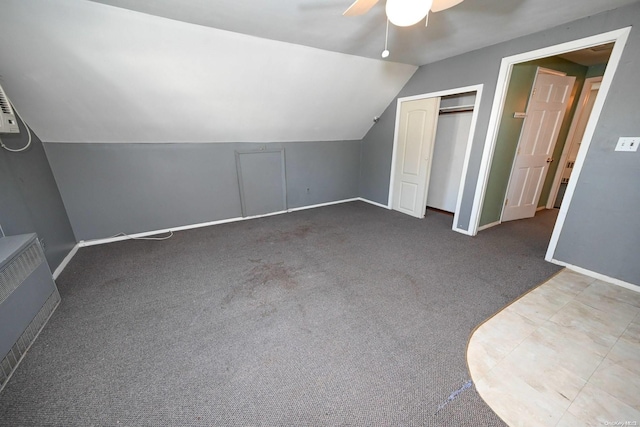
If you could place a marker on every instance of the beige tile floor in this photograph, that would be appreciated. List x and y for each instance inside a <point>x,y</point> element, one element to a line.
<point>565,354</point>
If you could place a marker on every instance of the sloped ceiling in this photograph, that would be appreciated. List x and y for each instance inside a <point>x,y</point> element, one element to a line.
<point>471,25</point>
<point>232,70</point>
<point>80,71</point>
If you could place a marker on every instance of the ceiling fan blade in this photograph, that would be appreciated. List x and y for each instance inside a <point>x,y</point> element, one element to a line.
<point>439,5</point>
<point>359,7</point>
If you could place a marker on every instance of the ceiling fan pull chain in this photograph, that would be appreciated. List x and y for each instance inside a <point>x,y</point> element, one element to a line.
<point>385,52</point>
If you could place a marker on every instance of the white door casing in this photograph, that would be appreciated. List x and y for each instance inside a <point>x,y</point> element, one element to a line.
<point>545,111</point>
<point>581,117</point>
<point>416,136</point>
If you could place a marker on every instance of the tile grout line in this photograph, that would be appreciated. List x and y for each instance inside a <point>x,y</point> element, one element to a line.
<point>538,326</point>
<point>543,323</point>
<point>486,321</point>
<point>588,380</point>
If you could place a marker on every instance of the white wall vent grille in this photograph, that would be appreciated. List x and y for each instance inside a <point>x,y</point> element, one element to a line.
<point>5,106</point>
<point>8,122</point>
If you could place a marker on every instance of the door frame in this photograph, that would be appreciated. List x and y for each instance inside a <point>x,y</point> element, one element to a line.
<point>539,70</point>
<point>555,187</point>
<point>474,119</point>
<point>619,38</point>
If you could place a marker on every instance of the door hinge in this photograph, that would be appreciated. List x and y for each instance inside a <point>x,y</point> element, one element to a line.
<point>506,201</point>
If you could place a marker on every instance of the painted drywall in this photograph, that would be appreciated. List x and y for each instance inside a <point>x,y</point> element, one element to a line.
<point>133,188</point>
<point>596,70</point>
<point>84,72</point>
<point>29,198</point>
<point>607,189</point>
<point>597,234</point>
<point>522,79</point>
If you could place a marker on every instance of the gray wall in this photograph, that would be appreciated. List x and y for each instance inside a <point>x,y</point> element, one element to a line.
<point>607,190</point>
<point>133,188</point>
<point>29,198</point>
<point>598,233</point>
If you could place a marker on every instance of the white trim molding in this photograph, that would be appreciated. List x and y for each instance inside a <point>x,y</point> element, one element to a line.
<point>465,165</point>
<point>491,224</point>
<point>599,276</point>
<point>65,261</point>
<point>619,37</point>
<point>371,202</point>
<point>118,238</point>
<point>319,205</point>
<point>587,87</point>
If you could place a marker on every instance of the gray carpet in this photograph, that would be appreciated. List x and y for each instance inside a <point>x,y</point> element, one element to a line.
<point>342,315</point>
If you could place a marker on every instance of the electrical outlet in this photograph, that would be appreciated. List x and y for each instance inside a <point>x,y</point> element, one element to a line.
<point>628,143</point>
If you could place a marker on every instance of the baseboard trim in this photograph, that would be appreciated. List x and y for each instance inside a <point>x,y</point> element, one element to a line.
<point>492,224</point>
<point>133,236</point>
<point>462,231</point>
<point>595,275</point>
<point>371,202</point>
<point>319,205</point>
<point>65,261</point>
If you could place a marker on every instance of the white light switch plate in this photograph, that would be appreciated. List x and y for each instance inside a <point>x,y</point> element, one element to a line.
<point>628,143</point>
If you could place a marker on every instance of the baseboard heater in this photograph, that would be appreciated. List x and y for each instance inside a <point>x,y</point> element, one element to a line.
<point>28,297</point>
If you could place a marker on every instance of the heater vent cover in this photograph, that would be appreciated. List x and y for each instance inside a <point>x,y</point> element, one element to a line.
<point>8,122</point>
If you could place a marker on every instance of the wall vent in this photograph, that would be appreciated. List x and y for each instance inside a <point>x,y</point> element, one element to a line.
<point>4,103</point>
<point>8,122</point>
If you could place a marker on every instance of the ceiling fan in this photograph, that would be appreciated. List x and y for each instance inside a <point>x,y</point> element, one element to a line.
<point>403,13</point>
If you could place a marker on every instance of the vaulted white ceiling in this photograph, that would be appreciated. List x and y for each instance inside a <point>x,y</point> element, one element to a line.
<point>80,71</point>
<point>468,26</point>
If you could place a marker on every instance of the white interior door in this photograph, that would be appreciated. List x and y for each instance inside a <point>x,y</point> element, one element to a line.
<point>416,136</point>
<point>545,112</point>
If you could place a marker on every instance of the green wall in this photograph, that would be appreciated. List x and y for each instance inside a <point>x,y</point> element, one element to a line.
<point>522,78</point>
<point>595,71</point>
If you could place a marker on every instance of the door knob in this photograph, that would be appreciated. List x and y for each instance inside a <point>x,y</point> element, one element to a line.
<point>549,160</point>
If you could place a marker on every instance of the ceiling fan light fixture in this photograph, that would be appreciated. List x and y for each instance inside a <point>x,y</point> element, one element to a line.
<point>439,5</point>
<point>404,13</point>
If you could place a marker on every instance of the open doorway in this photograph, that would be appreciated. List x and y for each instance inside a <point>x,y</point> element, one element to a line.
<point>618,38</point>
<point>596,59</point>
<point>537,129</point>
